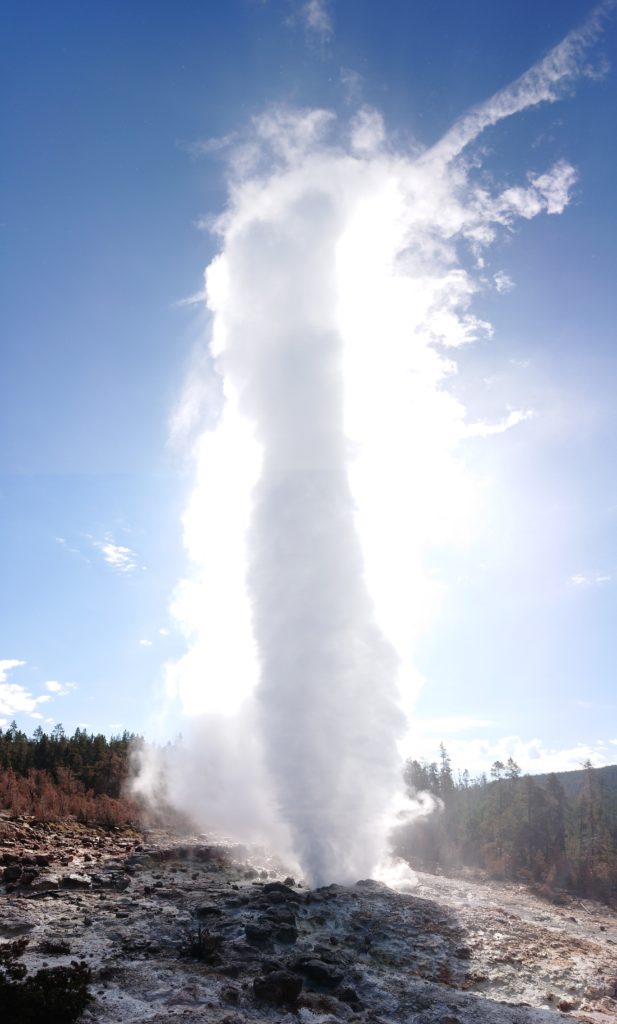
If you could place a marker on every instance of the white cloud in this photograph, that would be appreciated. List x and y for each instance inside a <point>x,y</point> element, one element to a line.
<point>590,579</point>
<point>503,281</point>
<point>291,133</point>
<point>7,665</point>
<point>532,756</point>
<point>59,689</point>
<point>197,299</point>
<point>164,632</point>
<point>367,131</point>
<point>545,82</point>
<point>145,643</point>
<point>317,19</point>
<point>215,144</point>
<point>15,699</point>
<point>121,558</point>
<point>549,192</point>
<point>482,429</point>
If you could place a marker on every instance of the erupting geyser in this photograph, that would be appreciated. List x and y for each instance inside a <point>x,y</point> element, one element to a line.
<point>342,286</point>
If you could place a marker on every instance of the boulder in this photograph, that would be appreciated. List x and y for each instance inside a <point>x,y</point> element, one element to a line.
<point>258,932</point>
<point>208,910</point>
<point>76,881</point>
<point>12,873</point>
<point>28,876</point>
<point>279,988</point>
<point>45,883</point>
<point>283,890</point>
<point>318,971</point>
<point>281,915</point>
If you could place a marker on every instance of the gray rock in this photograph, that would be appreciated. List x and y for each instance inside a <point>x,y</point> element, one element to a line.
<point>45,883</point>
<point>280,988</point>
<point>258,932</point>
<point>281,889</point>
<point>76,881</point>
<point>319,972</point>
<point>281,915</point>
<point>28,876</point>
<point>208,910</point>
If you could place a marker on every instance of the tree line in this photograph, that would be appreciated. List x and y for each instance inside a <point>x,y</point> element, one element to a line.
<point>515,826</point>
<point>54,776</point>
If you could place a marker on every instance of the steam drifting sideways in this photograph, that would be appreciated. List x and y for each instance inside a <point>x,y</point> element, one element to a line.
<point>340,294</point>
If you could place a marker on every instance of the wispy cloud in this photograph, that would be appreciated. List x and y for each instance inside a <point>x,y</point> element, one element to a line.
<point>503,282</point>
<point>482,429</point>
<point>367,131</point>
<point>545,82</point>
<point>206,147</point>
<point>15,699</point>
<point>549,192</point>
<point>590,579</point>
<point>7,665</point>
<point>196,299</point>
<point>120,557</point>
<point>145,643</point>
<point>317,19</point>
<point>63,543</point>
<point>60,689</point>
<point>351,82</point>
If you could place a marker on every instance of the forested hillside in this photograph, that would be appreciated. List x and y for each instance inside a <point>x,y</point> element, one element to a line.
<point>531,828</point>
<point>53,776</point>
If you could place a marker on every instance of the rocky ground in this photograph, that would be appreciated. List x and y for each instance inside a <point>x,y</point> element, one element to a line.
<point>180,929</point>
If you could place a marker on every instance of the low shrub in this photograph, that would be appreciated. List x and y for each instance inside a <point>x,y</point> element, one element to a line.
<point>55,995</point>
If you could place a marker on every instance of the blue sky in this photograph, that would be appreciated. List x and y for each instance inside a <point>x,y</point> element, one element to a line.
<point>104,181</point>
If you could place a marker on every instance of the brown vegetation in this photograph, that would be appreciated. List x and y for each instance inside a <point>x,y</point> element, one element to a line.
<point>55,777</point>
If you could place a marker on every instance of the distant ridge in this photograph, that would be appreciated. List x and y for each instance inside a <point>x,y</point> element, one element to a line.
<point>572,781</point>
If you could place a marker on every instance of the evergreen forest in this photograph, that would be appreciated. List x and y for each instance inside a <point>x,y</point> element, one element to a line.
<point>556,832</point>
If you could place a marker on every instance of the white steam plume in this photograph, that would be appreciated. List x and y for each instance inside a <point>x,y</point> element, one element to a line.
<point>337,299</point>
